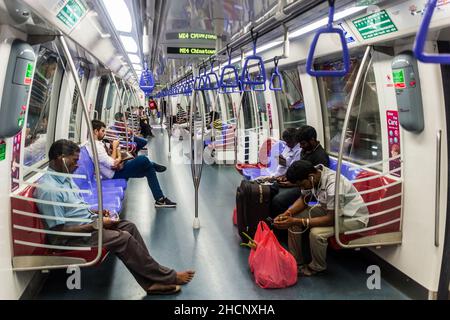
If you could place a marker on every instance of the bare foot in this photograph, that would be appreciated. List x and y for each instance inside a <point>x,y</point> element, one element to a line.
<point>185,277</point>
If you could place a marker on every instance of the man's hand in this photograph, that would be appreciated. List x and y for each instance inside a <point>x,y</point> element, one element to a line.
<point>281,179</point>
<point>109,223</point>
<point>284,221</point>
<point>106,212</point>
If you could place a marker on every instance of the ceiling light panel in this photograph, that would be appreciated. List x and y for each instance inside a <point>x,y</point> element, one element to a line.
<point>120,14</point>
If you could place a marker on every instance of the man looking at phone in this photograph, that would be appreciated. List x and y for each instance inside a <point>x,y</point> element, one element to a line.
<point>312,151</point>
<point>112,166</point>
<point>120,237</point>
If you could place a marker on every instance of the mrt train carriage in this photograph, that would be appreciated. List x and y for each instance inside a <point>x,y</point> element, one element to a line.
<point>219,83</point>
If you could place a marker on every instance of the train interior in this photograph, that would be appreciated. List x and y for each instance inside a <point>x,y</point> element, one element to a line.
<point>379,107</point>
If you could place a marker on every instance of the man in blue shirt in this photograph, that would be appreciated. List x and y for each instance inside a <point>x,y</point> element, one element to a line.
<point>121,237</point>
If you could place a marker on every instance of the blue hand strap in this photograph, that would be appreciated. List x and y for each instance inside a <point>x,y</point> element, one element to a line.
<point>419,45</point>
<point>346,56</point>
<point>259,82</point>
<point>276,77</point>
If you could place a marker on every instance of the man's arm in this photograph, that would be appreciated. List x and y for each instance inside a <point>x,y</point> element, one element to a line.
<point>108,223</point>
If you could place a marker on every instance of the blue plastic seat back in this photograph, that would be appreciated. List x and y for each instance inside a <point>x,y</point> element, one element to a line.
<point>85,167</point>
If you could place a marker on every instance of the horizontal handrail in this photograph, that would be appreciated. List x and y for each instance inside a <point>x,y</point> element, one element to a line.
<point>45,217</point>
<point>42,187</point>
<point>389,185</point>
<point>378,214</point>
<point>49,246</point>
<point>368,204</point>
<point>373,227</point>
<point>373,164</point>
<point>53,173</point>
<point>59,233</point>
<point>377,176</point>
<point>53,203</point>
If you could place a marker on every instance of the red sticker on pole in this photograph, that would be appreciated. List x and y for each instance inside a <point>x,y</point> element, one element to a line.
<point>393,127</point>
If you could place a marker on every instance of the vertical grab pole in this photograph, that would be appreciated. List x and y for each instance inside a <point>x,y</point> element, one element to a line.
<point>121,109</point>
<point>238,115</point>
<point>351,102</point>
<point>131,109</point>
<point>169,129</point>
<point>196,169</point>
<point>93,146</point>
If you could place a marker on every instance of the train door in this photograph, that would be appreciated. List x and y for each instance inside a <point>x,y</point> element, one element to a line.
<point>98,114</point>
<point>76,110</point>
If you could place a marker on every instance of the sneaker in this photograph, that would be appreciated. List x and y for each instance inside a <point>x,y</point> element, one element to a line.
<point>165,203</point>
<point>159,168</point>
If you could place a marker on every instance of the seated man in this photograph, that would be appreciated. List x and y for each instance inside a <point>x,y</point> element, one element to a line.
<point>120,237</point>
<point>112,167</point>
<point>312,151</point>
<point>287,157</point>
<point>119,125</point>
<point>319,182</point>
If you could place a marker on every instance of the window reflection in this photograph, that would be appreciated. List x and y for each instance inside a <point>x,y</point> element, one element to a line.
<point>363,133</point>
<point>39,106</point>
<point>290,102</point>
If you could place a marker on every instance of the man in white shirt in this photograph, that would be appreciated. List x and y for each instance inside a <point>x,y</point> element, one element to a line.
<point>320,182</point>
<point>112,166</point>
<point>289,155</point>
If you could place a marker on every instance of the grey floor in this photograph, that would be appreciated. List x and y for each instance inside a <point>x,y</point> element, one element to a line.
<point>213,251</point>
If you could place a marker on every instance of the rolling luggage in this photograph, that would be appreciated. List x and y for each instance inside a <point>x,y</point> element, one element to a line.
<point>252,206</point>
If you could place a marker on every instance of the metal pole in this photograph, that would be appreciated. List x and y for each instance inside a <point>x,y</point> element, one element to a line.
<point>351,102</point>
<point>196,169</point>
<point>85,109</point>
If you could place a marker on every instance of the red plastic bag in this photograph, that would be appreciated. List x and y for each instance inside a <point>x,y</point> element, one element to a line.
<point>235,217</point>
<point>272,265</point>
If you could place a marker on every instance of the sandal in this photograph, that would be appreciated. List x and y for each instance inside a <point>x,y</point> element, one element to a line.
<point>307,272</point>
<point>164,289</point>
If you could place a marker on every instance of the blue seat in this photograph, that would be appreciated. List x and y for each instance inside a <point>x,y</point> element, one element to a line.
<point>347,169</point>
<point>109,186</point>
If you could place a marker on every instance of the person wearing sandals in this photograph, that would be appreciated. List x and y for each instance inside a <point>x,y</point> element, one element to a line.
<point>120,237</point>
<point>318,221</point>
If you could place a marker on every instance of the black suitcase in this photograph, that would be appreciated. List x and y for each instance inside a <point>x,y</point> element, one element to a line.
<point>252,206</point>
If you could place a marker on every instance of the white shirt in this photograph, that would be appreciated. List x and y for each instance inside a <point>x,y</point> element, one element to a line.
<point>104,159</point>
<point>291,155</point>
<point>353,203</point>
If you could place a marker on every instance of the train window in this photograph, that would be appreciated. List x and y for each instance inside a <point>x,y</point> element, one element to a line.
<point>363,134</point>
<point>76,116</point>
<point>290,101</point>
<point>229,106</point>
<point>111,95</point>
<point>100,97</point>
<point>248,110</point>
<point>39,107</point>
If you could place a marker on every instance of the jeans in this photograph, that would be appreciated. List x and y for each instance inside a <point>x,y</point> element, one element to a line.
<point>140,143</point>
<point>141,167</point>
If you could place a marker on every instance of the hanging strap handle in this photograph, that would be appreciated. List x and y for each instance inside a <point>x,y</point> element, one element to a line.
<point>260,79</point>
<point>346,56</point>
<point>276,75</point>
<point>419,45</point>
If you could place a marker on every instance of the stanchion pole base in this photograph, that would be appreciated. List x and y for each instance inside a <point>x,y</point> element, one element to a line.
<point>196,224</point>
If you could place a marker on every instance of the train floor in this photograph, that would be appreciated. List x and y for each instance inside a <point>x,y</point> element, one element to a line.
<point>213,250</point>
